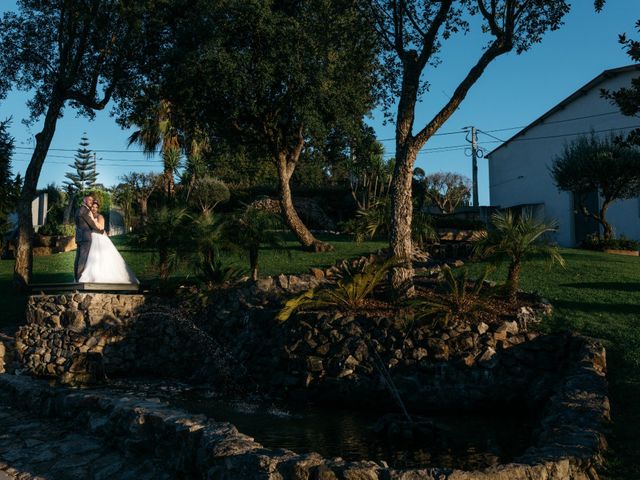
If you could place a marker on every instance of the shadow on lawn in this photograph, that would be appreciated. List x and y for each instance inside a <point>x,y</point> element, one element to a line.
<point>618,286</point>
<point>615,308</point>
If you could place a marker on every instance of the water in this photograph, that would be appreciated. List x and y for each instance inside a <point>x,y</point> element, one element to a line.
<point>464,441</point>
<point>459,441</point>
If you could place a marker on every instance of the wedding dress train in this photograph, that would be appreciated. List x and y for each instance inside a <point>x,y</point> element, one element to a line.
<point>105,264</point>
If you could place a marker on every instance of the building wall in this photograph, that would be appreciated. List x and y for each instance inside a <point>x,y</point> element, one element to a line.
<point>519,171</point>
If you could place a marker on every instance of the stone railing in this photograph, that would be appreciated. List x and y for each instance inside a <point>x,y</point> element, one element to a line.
<point>568,446</point>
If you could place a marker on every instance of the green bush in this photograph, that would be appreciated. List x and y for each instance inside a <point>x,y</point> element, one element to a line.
<point>53,228</point>
<point>593,242</point>
<point>348,293</point>
<point>457,302</point>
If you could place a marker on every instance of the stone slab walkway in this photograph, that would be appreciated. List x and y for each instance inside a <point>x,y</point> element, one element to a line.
<point>52,449</point>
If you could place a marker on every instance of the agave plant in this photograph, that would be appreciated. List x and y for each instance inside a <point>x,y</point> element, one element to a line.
<point>514,238</point>
<point>348,293</point>
<point>459,302</point>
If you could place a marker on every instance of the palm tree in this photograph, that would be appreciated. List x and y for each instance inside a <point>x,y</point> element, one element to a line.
<point>514,238</point>
<point>253,229</point>
<point>158,130</point>
<point>165,232</point>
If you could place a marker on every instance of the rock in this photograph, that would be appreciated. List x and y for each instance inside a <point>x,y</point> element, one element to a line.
<point>265,284</point>
<point>75,321</point>
<point>283,281</point>
<point>482,328</point>
<point>420,353</point>
<point>509,327</point>
<point>314,364</point>
<point>317,273</point>
<point>488,359</point>
<point>500,335</point>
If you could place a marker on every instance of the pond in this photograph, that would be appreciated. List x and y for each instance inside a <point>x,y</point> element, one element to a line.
<point>465,441</point>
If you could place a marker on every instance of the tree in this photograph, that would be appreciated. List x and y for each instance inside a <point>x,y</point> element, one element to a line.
<point>272,76</point>
<point>628,98</point>
<point>79,53</point>
<point>141,186</point>
<point>8,190</point>
<point>412,33</point>
<point>252,230</point>
<point>515,238</point>
<point>606,166</point>
<point>165,232</point>
<point>446,190</point>
<point>208,192</point>
<point>369,174</point>
<point>158,129</point>
<point>84,178</point>
<point>124,196</point>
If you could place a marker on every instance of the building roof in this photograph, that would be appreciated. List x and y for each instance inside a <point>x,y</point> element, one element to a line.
<point>575,95</point>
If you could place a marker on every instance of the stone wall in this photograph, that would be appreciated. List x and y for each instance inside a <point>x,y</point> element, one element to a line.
<point>341,357</point>
<point>568,444</point>
<point>85,337</point>
<point>7,353</point>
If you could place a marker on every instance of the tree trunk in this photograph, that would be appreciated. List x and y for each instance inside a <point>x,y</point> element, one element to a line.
<point>163,267</point>
<point>401,187</point>
<point>608,229</point>
<point>253,262</point>
<point>513,280</point>
<point>69,209</point>
<point>289,214</point>
<point>142,203</point>
<point>23,269</point>
<point>401,218</point>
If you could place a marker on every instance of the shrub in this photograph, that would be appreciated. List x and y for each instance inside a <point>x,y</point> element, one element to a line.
<point>514,238</point>
<point>348,293</point>
<point>457,303</point>
<point>592,242</point>
<point>208,192</point>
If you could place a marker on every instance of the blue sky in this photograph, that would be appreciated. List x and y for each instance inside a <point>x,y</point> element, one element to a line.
<point>514,91</point>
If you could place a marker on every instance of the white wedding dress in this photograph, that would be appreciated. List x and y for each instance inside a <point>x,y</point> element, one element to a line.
<point>105,264</point>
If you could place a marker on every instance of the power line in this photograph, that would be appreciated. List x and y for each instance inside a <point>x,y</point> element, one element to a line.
<point>93,150</point>
<point>613,112</point>
<point>617,129</point>
<point>544,137</point>
<point>101,160</point>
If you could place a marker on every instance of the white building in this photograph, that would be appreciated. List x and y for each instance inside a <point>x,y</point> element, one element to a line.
<point>519,172</point>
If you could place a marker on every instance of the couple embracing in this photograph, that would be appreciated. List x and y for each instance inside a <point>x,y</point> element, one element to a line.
<point>97,259</point>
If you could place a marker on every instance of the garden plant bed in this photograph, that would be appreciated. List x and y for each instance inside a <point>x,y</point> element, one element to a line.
<point>630,253</point>
<point>346,360</point>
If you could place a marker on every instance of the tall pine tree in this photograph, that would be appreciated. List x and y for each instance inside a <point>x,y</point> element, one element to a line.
<point>85,175</point>
<point>9,187</point>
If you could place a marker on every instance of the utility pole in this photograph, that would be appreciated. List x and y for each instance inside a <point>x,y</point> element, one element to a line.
<point>474,159</point>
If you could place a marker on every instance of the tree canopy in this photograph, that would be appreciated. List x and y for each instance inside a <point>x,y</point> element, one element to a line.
<point>80,53</point>
<point>272,77</point>
<point>627,99</point>
<point>84,174</point>
<point>411,35</point>
<point>606,166</point>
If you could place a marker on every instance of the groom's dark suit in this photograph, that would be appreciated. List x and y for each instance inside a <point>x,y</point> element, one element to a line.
<point>84,226</point>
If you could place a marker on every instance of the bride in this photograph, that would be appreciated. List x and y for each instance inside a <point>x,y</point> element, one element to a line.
<point>104,262</point>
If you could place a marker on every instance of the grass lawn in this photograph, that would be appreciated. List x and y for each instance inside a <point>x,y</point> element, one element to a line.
<point>597,295</point>
<point>59,267</point>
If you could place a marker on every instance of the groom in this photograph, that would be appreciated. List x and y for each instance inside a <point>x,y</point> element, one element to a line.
<point>84,226</point>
